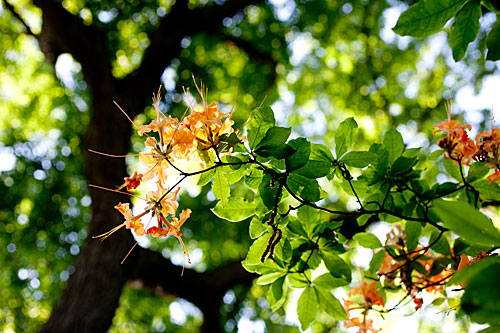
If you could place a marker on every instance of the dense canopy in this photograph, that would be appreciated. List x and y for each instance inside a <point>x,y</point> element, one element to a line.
<point>310,79</point>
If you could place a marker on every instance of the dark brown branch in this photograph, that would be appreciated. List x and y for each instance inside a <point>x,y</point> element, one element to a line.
<point>63,32</point>
<point>179,23</point>
<point>205,290</point>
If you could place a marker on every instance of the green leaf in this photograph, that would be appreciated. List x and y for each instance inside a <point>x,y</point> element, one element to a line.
<point>296,227</point>
<point>467,222</point>
<point>227,142</point>
<point>220,185</point>
<point>481,299</point>
<point>492,42</point>
<point>412,152</point>
<point>268,192</point>
<point>254,177</point>
<point>394,144</point>
<point>442,246</point>
<point>257,227</point>
<point>205,177</point>
<point>402,164</point>
<point>336,265</point>
<point>345,136</point>
<point>413,230</point>
<point>301,156</point>
<point>299,280</point>
<point>276,295</point>
<point>367,240</point>
<point>305,188</point>
<point>426,17</point>
<point>234,209</point>
<point>307,307</point>
<point>489,191</point>
<point>308,217</point>
<point>279,153</point>
<point>319,163</point>
<point>452,169</point>
<point>257,249</point>
<point>274,138</point>
<point>263,120</point>
<point>465,29</point>
<point>269,278</point>
<point>376,262</point>
<point>328,282</point>
<point>477,171</point>
<point>358,159</point>
<point>330,304</point>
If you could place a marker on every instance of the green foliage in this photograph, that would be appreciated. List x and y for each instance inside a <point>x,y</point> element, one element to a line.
<point>234,209</point>
<point>426,17</point>
<point>467,222</point>
<point>351,71</point>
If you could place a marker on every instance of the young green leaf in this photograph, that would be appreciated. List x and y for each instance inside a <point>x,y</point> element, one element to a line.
<point>319,163</point>
<point>305,188</point>
<point>376,262</point>
<point>300,280</point>
<point>487,190</point>
<point>336,265</point>
<point>467,222</point>
<point>358,159</point>
<point>477,171</point>
<point>274,138</point>
<point>268,192</point>
<point>269,278</point>
<point>345,136</point>
<point>276,295</point>
<point>365,239</point>
<point>205,177</point>
<point>234,209</point>
<point>426,17</point>
<point>301,156</point>
<point>220,185</point>
<point>465,29</point>
<point>308,217</point>
<point>393,142</point>
<point>328,282</point>
<point>257,249</point>
<point>257,127</point>
<point>413,231</point>
<point>257,227</point>
<point>330,304</point>
<point>307,307</point>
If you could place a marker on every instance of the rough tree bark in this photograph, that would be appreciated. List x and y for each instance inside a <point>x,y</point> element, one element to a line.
<point>91,297</point>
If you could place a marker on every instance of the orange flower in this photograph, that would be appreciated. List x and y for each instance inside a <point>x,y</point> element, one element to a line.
<point>364,325</point>
<point>494,177</point>
<point>458,146</point>
<point>134,181</point>
<point>370,294</point>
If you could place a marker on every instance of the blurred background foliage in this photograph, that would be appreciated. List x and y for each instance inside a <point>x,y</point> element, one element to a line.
<point>315,61</point>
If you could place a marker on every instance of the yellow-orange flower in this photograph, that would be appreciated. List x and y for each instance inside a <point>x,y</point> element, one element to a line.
<point>370,294</point>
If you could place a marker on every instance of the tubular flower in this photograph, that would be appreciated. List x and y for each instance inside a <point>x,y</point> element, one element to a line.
<point>370,294</point>
<point>168,141</point>
<point>461,149</point>
<point>457,144</point>
<point>371,297</point>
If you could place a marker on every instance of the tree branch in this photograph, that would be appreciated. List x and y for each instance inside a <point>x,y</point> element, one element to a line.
<point>179,23</point>
<point>205,290</point>
<point>63,32</point>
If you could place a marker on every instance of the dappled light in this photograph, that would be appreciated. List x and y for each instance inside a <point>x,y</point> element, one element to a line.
<point>250,166</point>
